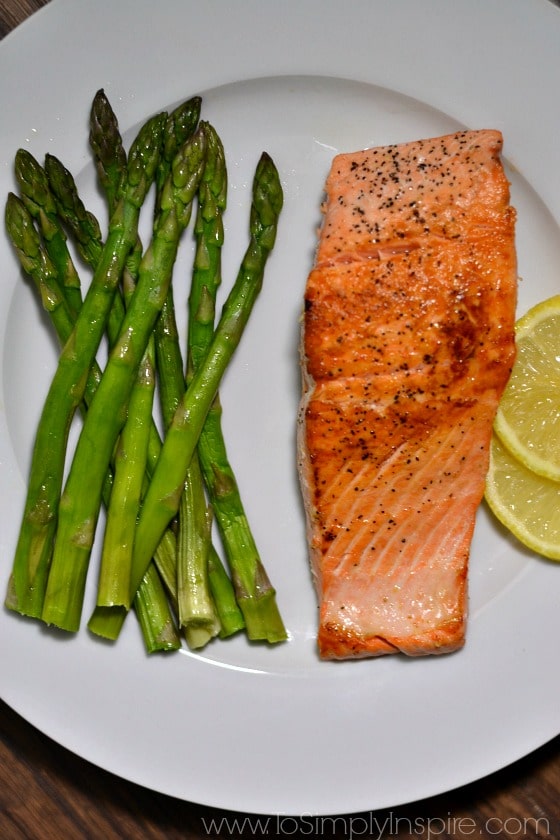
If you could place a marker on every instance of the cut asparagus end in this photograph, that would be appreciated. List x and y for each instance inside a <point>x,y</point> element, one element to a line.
<point>262,618</point>
<point>199,633</point>
<point>221,587</point>
<point>154,615</point>
<point>107,622</point>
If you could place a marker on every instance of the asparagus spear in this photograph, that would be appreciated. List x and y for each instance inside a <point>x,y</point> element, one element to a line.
<point>34,547</point>
<point>231,617</point>
<point>197,611</point>
<point>139,436</point>
<point>206,277</point>
<point>164,493</point>
<point>195,607</point>
<point>193,541</point>
<point>151,607</point>
<point>84,228</point>
<point>110,159</point>
<point>181,124</point>
<point>106,143</point>
<point>86,233</point>
<point>209,232</point>
<point>37,264</point>
<point>258,604</point>
<point>129,472</point>
<point>38,199</point>
<point>78,510</point>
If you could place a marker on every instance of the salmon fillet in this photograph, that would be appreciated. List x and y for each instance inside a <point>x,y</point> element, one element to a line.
<point>407,344</point>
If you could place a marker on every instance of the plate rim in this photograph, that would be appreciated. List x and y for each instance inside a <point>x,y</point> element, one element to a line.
<point>47,18</point>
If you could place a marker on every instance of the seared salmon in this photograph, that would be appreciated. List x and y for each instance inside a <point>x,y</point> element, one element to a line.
<point>407,345</point>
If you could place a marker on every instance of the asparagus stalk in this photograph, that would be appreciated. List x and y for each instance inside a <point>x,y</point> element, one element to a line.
<point>206,278</point>
<point>86,234</point>
<point>40,202</point>
<point>195,607</point>
<point>78,510</point>
<point>162,500</point>
<point>231,617</point>
<point>108,151</point>
<point>37,264</point>
<point>129,473</point>
<point>209,232</point>
<point>181,124</point>
<point>258,605</point>
<point>133,445</point>
<point>110,160</point>
<point>34,546</point>
<point>254,591</point>
<point>84,228</point>
<point>106,143</point>
<point>197,611</point>
<point>152,610</point>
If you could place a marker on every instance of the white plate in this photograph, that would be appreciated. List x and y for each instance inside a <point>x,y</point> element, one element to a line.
<point>241,727</point>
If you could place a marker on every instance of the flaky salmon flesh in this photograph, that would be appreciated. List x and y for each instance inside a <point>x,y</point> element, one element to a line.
<point>407,345</point>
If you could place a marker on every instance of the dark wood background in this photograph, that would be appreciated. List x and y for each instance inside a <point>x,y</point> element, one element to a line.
<point>47,793</point>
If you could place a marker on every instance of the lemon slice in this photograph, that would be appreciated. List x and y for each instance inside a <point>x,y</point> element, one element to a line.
<point>528,417</point>
<point>526,503</point>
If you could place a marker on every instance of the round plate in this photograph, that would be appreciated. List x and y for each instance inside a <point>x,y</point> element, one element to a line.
<point>241,726</point>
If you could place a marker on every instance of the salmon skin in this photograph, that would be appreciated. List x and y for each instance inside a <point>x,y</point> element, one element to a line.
<point>407,345</point>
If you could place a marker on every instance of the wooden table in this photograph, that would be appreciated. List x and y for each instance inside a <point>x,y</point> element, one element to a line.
<point>47,793</point>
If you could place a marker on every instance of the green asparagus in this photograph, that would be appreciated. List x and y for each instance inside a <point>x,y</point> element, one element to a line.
<point>163,498</point>
<point>129,473</point>
<point>231,617</point>
<point>195,607</point>
<point>84,228</point>
<point>86,234</point>
<point>78,510</point>
<point>108,150</point>
<point>151,607</point>
<point>40,202</point>
<point>38,265</point>
<point>257,601</point>
<point>197,611</point>
<point>206,277</point>
<point>35,541</point>
<point>181,124</point>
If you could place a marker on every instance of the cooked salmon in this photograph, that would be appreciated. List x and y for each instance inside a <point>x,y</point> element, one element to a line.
<point>407,344</point>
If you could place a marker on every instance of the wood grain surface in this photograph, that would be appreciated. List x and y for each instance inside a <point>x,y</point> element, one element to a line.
<point>47,793</point>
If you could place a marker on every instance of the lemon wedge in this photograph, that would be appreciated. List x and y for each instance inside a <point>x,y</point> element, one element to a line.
<point>528,417</point>
<point>526,503</point>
